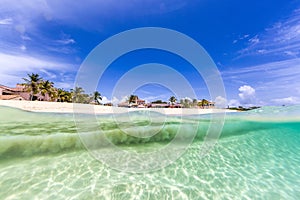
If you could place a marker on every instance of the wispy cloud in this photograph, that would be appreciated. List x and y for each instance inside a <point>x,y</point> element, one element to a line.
<point>27,24</point>
<point>27,47</point>
<point>12,62</point>
<point>280,39</point>
<point>274,80</point>
<point>241,38</point>
<point>66,41</point>
<point>6,21</point>
<point>16,66</point>
<point>82,14</point>
<point>287,100</point>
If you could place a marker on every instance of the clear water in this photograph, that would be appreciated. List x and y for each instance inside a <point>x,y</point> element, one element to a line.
<point>257,157</point>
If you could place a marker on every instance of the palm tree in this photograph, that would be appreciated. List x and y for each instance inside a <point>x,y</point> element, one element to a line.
<point>46,87</point>
<point>79,96</point>
<point>203,103</point>
<point>77,93</point>
<point>172,100</point>
<point>32,84</point>
<point>96,96</point>
<point>68,96</point>
<point>186,102</point>
<point>195,102</point>
<point>63,95</point>
<point>132,99</point>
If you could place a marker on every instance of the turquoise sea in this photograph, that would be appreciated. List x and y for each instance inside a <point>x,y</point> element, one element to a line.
<point>257,157</point>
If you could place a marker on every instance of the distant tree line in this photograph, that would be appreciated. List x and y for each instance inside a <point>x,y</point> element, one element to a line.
<point>37,86</point>
<point>241,108</point>
<point>185,102</point>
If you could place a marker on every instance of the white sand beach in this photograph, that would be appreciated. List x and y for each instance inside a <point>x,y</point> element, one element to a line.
<point>57,107</point>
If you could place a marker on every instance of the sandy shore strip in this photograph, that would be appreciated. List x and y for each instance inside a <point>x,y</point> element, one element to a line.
<point>58,107</point>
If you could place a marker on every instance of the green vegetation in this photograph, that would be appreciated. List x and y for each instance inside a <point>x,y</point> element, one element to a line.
<point>173,100</point>
<point>203,103</point>
<point>46,87</point>
<point>32,85</point>
<point>132,98</point>
<point>63,95</point>
<point>186,102</point>
<point>159,102</point>
<point>79,96</point>
<point>240,108</point>
<point>38,87</point>
<point>96,97</point>
<point>41,89</point>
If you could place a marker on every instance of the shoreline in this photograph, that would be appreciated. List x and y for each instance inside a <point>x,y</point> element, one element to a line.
<point>59,107</point>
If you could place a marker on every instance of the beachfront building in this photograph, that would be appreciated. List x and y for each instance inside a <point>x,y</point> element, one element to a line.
<point>16,93</point>
<point>206,104</point>
<point>19,93</point>
<point>159,105</point>
<point>211,104</point>
<point>133,102</point>
<point>176,105</point>
<point>165,105</point>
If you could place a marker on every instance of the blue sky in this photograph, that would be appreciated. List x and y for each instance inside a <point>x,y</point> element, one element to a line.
<point>255,44</point>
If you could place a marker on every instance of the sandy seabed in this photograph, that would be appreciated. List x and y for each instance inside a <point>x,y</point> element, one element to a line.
<point>58,107</point>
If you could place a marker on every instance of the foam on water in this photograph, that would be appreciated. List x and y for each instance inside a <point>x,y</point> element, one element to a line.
<point>42,157</point>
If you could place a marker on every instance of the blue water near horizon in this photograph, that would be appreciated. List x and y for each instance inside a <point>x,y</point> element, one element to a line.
<point>256,157</point>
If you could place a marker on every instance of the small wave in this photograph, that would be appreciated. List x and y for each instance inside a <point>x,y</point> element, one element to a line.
<point>36,133</point>
<point>24,145</point>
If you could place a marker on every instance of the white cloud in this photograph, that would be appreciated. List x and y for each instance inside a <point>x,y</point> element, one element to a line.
<point>253,41</point>
<point>11,63</point>
<point>240,38</point>
<point>49,75</point>
<point>187,98</point>
<point>234,103</point>
<point>10,79</point>
<point>25,37</point>
<point>247,94</point>
<point>115,101</point>
<point>28,28</point>
<point>23,47</point>
<point>261,51</point>
<point>273,80</point>
<point>26,25</point>
<point>246,97</point>
<point>6,21</point>
<point>16,66</point>
<point>105,100</point>
<point>291,53</point>
<point>221,102</point>
<point>287,100</point>
<point>66,41</point>
<point>64,85</point>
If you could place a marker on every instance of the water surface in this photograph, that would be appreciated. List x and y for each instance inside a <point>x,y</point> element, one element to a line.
<point>256,157</point>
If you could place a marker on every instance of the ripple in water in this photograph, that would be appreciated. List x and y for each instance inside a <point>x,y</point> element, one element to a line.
<point>252,160</point>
